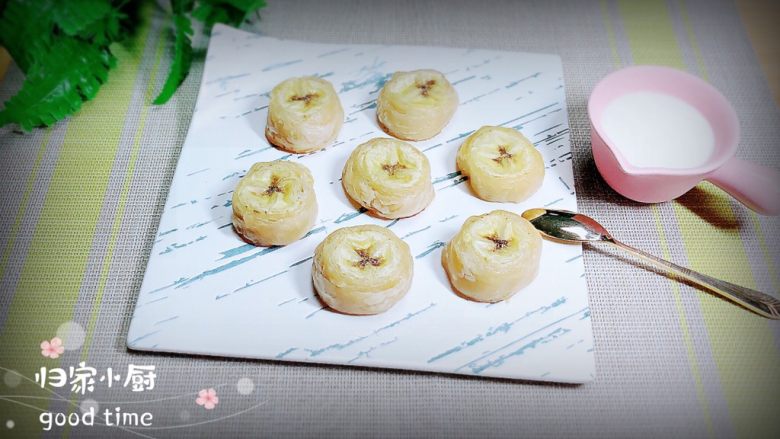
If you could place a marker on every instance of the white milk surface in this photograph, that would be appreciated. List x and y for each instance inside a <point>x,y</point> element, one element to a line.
<point>656,130</point>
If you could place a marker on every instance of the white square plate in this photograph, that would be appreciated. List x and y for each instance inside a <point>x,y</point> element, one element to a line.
<point>207,292</point>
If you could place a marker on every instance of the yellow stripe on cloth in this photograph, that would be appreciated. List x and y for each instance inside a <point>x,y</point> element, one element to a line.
<point>119,213</point>
<point>742,343</point>
<point>690,349</point>
<point>54,270</point>
<point>126,182</point>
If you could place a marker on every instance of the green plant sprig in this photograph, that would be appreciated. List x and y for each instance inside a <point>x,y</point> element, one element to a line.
<point>63,48</point>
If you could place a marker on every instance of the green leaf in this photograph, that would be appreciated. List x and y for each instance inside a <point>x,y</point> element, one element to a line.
<point>232,12</point>
<point>210,14</point>
<point>107,30</point>
<point>74,16</point>
<point>182,58</point>
<point>26,30</point>
<point>71,72</point>
<point>246,5</point>
<point>182,6</point>
<point>62,46</point>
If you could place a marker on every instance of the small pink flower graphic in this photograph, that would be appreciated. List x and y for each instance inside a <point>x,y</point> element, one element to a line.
<point>207,398</point>
<point>52,349</point>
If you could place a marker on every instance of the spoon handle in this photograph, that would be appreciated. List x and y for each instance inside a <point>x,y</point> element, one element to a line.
<point>760,303</point>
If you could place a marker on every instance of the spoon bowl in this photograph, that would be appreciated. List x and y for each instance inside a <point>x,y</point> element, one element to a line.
<point>565,226</point>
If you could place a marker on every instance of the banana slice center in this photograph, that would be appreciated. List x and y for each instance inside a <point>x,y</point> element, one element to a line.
<point>503,154</point>
<point>415,88</point>
<point>361,254</point>
<point>391,169</point>
<point>306,98</point>
<point>500,157</point>
<point>270,188</point>
<point>426,87</point>
<point>498,242</point>
<point>494,235</point>
<point>273,186</point>
<point>271,192</point>
<point>367,259</point>
<point>393,164</point>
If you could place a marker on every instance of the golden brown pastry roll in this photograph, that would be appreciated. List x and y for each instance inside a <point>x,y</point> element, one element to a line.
<point>304,115</point>
<point>493,256</point>
<point>274,203</point>
<point>502,165</point>
<point>416,105</point>
<point>362,269</point>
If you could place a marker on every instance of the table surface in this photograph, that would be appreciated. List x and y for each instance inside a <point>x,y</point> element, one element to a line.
<point>81,202</point>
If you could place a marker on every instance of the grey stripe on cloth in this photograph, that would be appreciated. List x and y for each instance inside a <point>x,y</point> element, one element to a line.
<point>644,385</point>
<point>621,41</point>
<point>17,157</point>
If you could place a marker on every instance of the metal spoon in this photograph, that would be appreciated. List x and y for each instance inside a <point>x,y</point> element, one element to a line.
<point>571,227</point>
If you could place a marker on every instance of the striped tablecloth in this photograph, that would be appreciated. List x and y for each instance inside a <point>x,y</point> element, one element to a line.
<point>80,203</point>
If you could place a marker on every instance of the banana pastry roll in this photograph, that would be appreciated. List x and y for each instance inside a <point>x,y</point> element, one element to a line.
<point>304,115</point>
<point>502,165</point>
<point>362,269</point>
<point>416,105</point>
<point>493,256</point>
<point>274,203</point>
<point>390,178</point>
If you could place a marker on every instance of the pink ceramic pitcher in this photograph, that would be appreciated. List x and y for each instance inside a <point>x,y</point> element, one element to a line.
<point>756,186</point>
